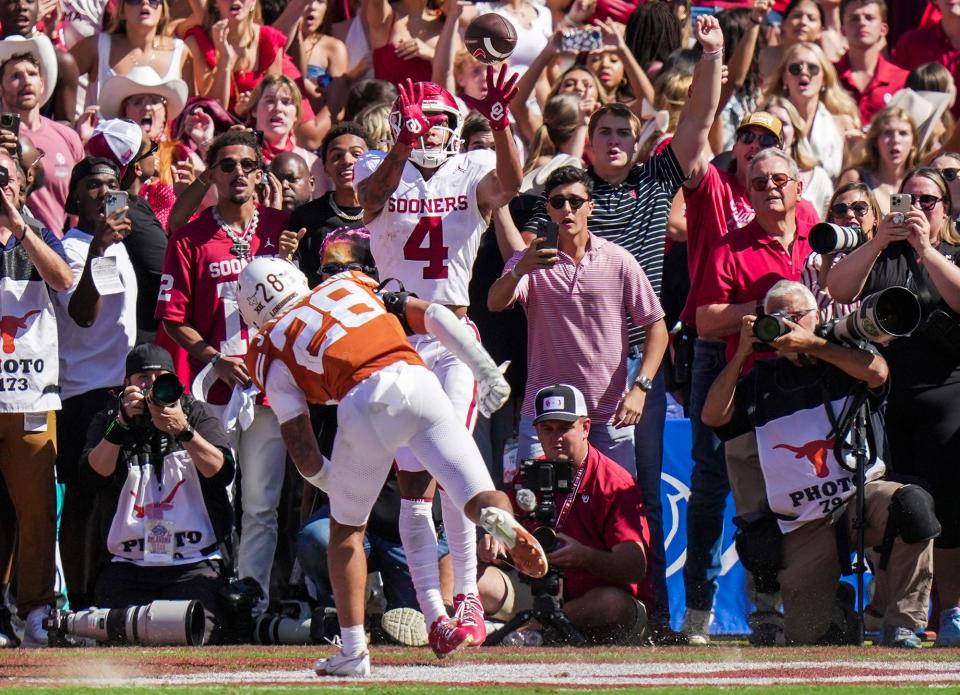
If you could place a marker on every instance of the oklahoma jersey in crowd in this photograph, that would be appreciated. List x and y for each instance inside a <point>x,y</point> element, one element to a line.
<point>329,342</point>
<point>199,283</point>
<point>428,232</point>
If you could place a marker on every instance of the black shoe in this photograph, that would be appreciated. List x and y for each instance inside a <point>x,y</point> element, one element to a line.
<point>767,629</point>
<point>663,635</point>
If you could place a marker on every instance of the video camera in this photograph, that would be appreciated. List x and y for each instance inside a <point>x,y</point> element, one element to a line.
<point>157,624</point>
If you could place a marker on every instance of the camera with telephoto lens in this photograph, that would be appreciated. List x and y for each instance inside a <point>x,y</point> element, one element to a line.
<point>165,391</point>
<point>769,327</point>
<point>882,317</point>
<point>540,481</point>
<point>826,237</point>
<point>157,624</point>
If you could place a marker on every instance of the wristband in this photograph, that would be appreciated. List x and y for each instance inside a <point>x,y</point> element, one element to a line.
<point>712,55</point>
<point>116,433</point>
<point>215,359</point>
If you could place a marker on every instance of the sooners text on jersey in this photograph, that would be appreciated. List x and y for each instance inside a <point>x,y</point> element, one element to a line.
<point>428,232</point>
<point>332,339</point>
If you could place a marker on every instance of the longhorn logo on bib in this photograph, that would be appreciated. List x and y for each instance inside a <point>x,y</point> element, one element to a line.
<point>10,326</point>
<point>815,452</point>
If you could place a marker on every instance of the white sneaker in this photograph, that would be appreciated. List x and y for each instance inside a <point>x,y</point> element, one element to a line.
<point>524,549</point>
<point>696,626</point>
<point>33,633</point>
<point>349,666</point>
<point>406,626</point>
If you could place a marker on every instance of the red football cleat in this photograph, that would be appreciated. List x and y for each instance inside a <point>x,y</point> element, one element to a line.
<point>446,637</point>
<point>469,614</point>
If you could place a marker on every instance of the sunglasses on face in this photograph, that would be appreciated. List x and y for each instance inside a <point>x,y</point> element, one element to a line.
<point>859,208</point>
<point>557,202</point>
<point>136,3</point>
<point>142,100</point>
<point>759,183</point>
<point>228,165</point>
<point>925,202</point>
<point>949,174</point>
<point>335,268</point>
<point>748,137</point>
<point>796,69</point>
<point>797,316</point>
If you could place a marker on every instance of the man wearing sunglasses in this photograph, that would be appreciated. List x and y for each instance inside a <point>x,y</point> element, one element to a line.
<point>742,266</point>
<point>564,335</point>
<point>198,306</point>
<point>870,78</point>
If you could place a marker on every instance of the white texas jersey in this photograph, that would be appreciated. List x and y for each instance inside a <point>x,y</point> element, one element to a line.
<point>428,232</point>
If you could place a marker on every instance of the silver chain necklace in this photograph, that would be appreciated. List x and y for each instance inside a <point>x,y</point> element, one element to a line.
<point>241,242</point>
<point>340,213</point>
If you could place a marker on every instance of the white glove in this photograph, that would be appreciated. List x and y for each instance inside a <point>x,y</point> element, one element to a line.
<point>492,389</point>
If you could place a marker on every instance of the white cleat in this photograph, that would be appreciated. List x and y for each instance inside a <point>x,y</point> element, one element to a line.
<point>345,666</point>
<point>406,626</point>
<point>524,549</point>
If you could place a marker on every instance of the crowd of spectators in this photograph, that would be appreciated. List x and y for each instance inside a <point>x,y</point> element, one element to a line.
<point>646,199</point>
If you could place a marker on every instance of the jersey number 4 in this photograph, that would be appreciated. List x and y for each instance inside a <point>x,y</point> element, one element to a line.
<point>429,229</point>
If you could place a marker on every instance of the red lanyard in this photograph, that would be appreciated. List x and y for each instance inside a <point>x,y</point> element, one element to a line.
<point>571,496</point>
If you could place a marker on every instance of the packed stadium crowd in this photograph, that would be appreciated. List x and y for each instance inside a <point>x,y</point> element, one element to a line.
<point>360,321</point>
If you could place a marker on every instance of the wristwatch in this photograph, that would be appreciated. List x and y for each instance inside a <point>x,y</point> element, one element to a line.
<point>185,435</point>
<point>645,383</point>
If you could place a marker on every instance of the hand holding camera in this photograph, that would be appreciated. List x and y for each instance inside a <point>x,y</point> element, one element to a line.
<point>167,418</point>
<point>569,553</point>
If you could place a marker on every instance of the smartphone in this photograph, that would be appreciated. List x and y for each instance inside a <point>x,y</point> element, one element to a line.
<point>899,206</point>
<point>115,201</point>
<point>11,122</point>
<point>258,134</point>
<point>550,231</point>
<point>579,40</point>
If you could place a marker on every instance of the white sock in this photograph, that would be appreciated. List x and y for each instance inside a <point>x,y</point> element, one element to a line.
<point>353,640</point>
<point>419,538</point>
<point>462,539</point>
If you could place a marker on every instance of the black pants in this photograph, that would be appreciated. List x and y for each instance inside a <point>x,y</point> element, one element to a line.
<point>82,542</point>
<point>123,584</point>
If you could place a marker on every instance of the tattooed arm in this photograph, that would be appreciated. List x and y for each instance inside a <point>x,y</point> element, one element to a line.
<point>302,445</point>
<point>374,190</point>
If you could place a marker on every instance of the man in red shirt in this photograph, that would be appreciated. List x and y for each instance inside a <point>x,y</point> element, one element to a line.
<point>870,78</point>
<point>199,309</point>
<point>743,266</point>
<point>938,43</point>
<point>601,527</point>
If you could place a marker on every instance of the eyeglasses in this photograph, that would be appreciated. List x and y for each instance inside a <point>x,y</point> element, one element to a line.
<point>925,202</point>
<point>796,69</point>
<point>557,202</point>
<point>797,316</point>
<point>949,174</point>
<point>759,183</point>
<point>141,100</point>
<point>748,137</point>
<point>228,165</point>
<point>335,268</point>
<point>153,3</point>
<point>859,208</point>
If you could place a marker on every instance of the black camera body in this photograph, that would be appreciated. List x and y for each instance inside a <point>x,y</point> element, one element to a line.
<point>165,391</point>
<point>769,327</point>
<point>545,479</point>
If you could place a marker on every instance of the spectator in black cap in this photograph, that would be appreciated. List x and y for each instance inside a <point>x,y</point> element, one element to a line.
<point>158,456</point>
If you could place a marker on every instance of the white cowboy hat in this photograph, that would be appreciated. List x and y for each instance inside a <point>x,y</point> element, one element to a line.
<point>141,80</point>
<point>925,109</point>
<point>42,49</point>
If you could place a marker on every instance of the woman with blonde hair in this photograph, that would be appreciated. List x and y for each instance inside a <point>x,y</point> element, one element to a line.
<point>375,119</point>
<point>817,186</point>
<point>889,152</point>
<point>809,81</point>
<point>920,250</point>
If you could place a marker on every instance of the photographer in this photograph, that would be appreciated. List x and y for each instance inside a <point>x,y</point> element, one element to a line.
<point>921,252</point>
<point>602,534</point>
<point>183,449</point>
<point>796,405</point>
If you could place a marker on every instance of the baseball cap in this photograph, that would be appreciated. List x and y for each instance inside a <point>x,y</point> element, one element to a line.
<point>81,170</point>
<point>762,119</point>
<point>559,402</point>
<point>116,139</point>
<point>148,357</point>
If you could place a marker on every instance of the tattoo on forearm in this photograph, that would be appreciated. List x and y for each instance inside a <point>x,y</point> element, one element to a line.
<point>374,191</point>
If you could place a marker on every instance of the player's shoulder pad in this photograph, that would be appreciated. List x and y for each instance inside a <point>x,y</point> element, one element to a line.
<point>479,159</point>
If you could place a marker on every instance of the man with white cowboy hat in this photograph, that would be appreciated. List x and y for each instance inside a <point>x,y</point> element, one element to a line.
<point>145,98</point>
<point>28,75</point>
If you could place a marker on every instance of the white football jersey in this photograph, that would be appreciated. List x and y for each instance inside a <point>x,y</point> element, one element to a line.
<point>428,232</point>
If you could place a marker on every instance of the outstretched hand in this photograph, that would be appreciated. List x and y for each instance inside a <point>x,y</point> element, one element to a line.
<point>708,33</point>
<point>500,92</point>
<point>414,123</point>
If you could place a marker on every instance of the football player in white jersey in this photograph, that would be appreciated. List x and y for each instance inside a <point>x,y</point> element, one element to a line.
<point>426,206</point>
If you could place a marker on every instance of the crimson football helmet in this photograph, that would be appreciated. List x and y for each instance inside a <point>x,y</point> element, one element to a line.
<point>436,100</point>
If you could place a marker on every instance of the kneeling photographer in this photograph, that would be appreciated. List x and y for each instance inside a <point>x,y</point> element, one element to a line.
<point>801,407</point>
<point>920,249</point>
<point>162,464</point>
<point>602,537</point>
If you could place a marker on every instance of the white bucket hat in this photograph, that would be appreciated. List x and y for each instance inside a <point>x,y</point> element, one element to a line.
<point>42,49</point>
<point>141,80</point>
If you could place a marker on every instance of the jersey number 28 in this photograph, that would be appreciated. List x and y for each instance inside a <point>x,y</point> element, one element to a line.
<point>429,229</point>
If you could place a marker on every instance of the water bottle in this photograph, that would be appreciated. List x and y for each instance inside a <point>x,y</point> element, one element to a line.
<point>514,639</point>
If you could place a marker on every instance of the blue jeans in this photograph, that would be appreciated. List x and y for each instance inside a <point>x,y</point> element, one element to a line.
<point>708,485</point>
<point>648,452</point>
<point>383,556</point>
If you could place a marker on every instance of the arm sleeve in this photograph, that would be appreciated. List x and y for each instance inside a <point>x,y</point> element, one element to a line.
<point>641,301</point>
<point>718,278</point>
<point>286,398</point>
<point>626,519</point>
<point>53,242</point>
<point>175,300</point>
<point>665,169</point>
<point>89,478</point>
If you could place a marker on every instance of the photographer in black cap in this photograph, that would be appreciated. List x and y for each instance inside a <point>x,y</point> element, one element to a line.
<point>162,462</point>
<point>601,529</point>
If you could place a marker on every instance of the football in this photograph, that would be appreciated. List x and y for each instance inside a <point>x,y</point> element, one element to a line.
<point>490,38</point>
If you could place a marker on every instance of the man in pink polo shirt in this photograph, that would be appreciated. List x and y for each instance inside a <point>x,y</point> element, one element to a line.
<point>743,266</point>
<point>938,43</point>
<point>870,78</point>
<point>577,298</point>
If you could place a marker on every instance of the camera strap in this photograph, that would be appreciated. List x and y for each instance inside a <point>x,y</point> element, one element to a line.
<point>571,496</point>
<point>919,280</point>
